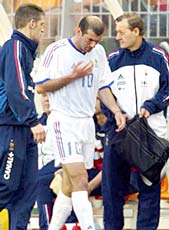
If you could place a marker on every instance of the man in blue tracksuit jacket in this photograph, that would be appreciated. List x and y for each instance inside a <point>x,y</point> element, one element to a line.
<point>19,126</point>
<point>140,83</point>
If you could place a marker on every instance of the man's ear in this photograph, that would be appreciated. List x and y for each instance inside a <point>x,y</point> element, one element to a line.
<point>78,31</point>
<point>32,23</point>
<point>137,31</point>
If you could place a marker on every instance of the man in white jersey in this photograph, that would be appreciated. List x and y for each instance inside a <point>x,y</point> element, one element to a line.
<point>73,71</point>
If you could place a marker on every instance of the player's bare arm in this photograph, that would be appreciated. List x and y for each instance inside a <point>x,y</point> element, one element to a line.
<point>108,99</point>
<point>79,70</point>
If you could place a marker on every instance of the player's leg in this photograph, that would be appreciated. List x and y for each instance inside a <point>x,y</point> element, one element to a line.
<point>62,206</point>
<point>81,158</point>
<point>81,204</point>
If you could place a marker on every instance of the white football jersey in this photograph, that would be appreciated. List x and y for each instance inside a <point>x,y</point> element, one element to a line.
<point>78,98</point>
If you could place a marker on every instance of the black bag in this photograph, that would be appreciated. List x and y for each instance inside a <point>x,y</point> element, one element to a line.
<point>138,144</point>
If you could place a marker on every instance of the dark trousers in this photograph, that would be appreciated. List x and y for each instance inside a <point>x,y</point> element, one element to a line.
<point>116,184</point>
<point>18,174</point>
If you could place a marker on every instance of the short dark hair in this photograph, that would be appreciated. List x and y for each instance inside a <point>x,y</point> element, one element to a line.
<point>134,21</point>
<point>93,23</point>
<point>25,13</point>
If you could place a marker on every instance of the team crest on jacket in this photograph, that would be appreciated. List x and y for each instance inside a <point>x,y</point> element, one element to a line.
<point>121,82</point>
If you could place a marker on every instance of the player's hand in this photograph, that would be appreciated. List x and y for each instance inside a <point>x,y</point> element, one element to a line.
<point>39,133</point>
<point>120,121</point>
<point>82,69</point>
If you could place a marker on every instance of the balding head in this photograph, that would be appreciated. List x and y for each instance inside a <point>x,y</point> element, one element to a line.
<point>93,23</point>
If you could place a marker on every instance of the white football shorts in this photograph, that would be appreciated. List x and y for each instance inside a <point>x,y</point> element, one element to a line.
<point>72,139</point>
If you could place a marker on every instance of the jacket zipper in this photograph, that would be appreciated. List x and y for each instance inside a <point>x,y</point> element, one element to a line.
<point>135,89</point>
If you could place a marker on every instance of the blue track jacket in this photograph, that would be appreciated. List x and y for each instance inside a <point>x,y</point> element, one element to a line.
<point>141,79</point>
<point>16,86</point>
